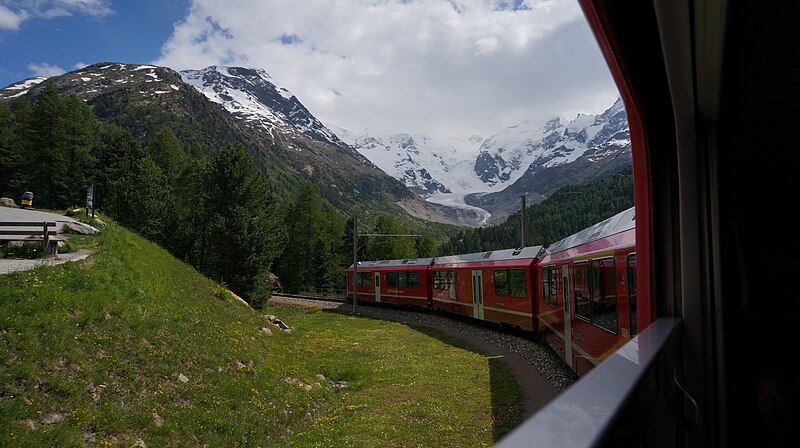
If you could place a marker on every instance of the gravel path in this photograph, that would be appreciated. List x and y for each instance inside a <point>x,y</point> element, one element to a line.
<point>540,373</point>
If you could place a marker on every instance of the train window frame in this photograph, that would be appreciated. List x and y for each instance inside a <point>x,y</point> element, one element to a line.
<point>550,285</point>
<point>587,279</point>
<point>364,279</point>
<point>631,282</point>
<point>447,283</point>
<point>510,286</point>
<point>597,281</point>
<point>391,279</point>
<point>402,279</point>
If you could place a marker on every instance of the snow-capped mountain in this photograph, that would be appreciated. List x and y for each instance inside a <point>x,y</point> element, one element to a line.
<point>529,147</point>
<point>427,166</point>
<point>251,95</point>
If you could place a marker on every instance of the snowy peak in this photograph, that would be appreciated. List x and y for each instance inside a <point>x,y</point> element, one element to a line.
<point>21,88</point>
<point>528,147</point>
<point>426,166</point>
<point>251,95</point>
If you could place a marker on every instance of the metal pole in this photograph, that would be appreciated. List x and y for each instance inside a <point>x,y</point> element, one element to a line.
<point>522,221</point>
<point>355,261</point>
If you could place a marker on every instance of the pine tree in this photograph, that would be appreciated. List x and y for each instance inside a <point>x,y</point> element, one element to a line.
<point>243,230</point>
<point>10,155</point>
<point>144,200</point>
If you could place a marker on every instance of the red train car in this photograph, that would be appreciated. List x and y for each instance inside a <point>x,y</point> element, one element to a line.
<point>400,282</point>
<point>587,282</point>
<point>496,286</point>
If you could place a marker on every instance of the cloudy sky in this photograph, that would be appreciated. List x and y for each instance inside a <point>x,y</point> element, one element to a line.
<point>447,68</point>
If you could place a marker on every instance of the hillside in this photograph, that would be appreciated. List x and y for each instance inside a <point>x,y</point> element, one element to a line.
<point>132,347</point>
<point>143,99</point>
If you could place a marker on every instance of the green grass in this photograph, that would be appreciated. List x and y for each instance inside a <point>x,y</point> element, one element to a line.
<point>94,353</point>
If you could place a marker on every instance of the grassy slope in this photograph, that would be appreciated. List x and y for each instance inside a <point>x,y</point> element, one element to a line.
<point>92,353</point>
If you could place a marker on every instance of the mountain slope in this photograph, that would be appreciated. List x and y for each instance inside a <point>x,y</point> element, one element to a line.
<point>425,165</point>
<point>289,150</point>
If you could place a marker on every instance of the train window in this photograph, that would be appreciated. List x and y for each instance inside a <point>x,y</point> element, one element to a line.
<point>501,282</point>
<point>550,285</point>
<point>510,283</point>
<point>604,294</point>
<point>517,283</point>
<point>581,282</point>
<point>365,279</point>
<point>445,281</point>
<point>413,279</point>
<point>632,292</point>
<point>402,279</point>
<point>391,279</point>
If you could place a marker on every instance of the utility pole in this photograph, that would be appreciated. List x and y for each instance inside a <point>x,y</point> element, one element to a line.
<point>355,261</point>
<point>355,252</point>
<point>522,221</point>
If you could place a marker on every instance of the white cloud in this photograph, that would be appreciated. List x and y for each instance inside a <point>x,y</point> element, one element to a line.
<point>442,67</point>
<point>10,20</point>
<point>13,13</point>
<point>45,69</point>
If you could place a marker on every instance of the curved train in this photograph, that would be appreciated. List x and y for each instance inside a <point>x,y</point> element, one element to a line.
<point>579,294</point>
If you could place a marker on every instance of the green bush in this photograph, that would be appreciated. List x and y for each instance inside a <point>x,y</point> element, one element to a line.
<point>28,250</point>
<point>68,247</point>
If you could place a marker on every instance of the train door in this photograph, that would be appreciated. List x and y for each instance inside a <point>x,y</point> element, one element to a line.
<point>567,315</point>
<point>477,294</point>
<point>377,286</point>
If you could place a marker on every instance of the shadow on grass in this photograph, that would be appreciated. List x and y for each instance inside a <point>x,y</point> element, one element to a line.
<point>508,410</point>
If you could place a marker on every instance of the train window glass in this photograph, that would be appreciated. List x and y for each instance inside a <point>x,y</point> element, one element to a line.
<point>413,279</point>
<point>550,285</point>
<point>365,279</point>
<point>546,285</point>
<point>501,282</point>
<point>402,279</point>
<point>581,282</point>
<point>632,292</point>
<point>517,285</point>
<point>553,286</point>
<point>604,294</point>
<point>445,281</point>
<point>391,279</point>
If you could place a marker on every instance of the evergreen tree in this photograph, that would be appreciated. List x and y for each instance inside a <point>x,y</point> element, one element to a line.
<point>117,156</point>
<point>10,155</point>
<point>298,265</point>
<point>59,136</point>
<point>168,153</point>
<point>143,199</point>
<point>244,230</point>
<point>390,248</point>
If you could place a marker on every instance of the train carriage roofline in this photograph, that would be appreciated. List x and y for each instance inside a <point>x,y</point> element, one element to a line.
<point>521,253</point>
<point>406,262</point>
<point>622,221</point>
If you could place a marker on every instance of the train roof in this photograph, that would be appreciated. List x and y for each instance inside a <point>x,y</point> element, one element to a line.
<point>394,263</point>
<point>495,255</point>
<point>620,222</point>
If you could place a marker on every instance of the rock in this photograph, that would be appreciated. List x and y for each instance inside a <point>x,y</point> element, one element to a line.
<point>7,202</point>
<point>84,229</point>
<point>158,420</point>
<point>265,330</point>
<point>182,378</point>
<point>278,323</point>
<point>321,378</point>
<point>52,418</point>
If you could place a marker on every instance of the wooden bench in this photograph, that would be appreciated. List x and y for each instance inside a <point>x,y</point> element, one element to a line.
<point>49,245</point>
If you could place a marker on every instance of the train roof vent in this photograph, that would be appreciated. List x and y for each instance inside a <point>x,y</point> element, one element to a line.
<point>404,261</point>
<point>517,251</point>
<point>487,254</point>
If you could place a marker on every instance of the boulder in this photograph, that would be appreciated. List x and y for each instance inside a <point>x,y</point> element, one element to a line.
<point>7,202</point>
<point>82,228</point>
